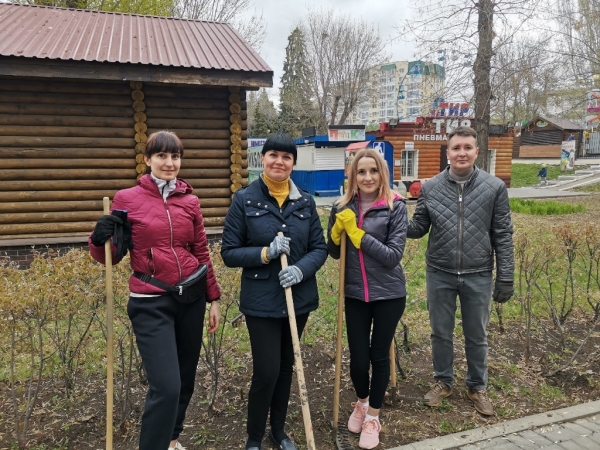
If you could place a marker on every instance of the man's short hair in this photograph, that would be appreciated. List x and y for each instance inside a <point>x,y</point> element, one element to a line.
<point>462,131</point>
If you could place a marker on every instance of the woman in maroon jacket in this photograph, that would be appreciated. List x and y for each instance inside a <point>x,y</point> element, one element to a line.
<point>169,243</point>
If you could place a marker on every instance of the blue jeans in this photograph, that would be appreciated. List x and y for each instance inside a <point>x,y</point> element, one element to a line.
<point>474,291</point>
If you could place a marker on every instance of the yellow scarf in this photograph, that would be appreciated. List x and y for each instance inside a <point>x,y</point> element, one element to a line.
<point>278,189</point>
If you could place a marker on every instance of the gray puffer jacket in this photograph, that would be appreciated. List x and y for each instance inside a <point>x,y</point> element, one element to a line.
<point>468,225</point>
<point>374,272</point>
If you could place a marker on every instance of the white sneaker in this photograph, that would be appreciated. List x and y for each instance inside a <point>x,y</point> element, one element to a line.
<point>178,446</point>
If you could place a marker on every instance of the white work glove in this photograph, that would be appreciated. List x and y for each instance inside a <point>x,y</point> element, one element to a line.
<point>290,276</point>
<point>280,244</point>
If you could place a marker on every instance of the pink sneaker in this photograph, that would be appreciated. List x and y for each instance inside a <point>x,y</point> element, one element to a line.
<point>355,422</point>
<point>369,437</point>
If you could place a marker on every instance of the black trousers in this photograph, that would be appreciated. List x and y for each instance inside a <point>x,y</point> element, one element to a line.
<point>169,337</point>
<point>371,349</point>
<point>272,365</point>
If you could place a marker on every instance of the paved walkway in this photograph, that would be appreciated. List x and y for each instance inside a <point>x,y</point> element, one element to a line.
<point>573,428</point>
<point>549,192</point>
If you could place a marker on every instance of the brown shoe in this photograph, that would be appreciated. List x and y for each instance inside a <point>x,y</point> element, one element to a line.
<point>481,401</point>
<point>437,393</point>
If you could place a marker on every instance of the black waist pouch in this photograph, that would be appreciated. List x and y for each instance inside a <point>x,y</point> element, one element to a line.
<point>187,291</point>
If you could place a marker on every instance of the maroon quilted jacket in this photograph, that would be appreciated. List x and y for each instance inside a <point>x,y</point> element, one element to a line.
<point>168,236</point>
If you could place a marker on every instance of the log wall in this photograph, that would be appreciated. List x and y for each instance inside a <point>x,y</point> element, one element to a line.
<point>430,152</point>
<point>504,151</point>
<point>211,123</point>
<point>66,144</point>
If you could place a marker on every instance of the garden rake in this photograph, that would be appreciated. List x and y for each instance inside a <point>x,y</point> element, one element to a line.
<point>340,429</point>
<point>289,299</point>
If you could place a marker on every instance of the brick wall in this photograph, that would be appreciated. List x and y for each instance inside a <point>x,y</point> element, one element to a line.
<point>539,151</point>
<point>23,253</point>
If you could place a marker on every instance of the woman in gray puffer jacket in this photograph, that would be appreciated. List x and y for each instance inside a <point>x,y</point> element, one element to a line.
<point>375,222</point>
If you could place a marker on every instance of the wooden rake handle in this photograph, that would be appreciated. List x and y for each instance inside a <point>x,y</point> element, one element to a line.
<point>109,335</point>
<point>289,299</point>
<point>340,319</point>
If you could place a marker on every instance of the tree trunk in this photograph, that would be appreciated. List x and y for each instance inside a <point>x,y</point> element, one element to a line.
<point>482,88</point>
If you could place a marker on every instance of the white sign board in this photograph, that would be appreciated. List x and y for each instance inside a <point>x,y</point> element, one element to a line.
<point>567,155</point>
<point>379,146</point>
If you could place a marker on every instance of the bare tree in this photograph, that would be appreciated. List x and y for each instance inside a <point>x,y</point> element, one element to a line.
<point>340,51</point>
<point>526,78</point>
<point>253,29</point>
<point>468,28</point>
<point>578,32</point>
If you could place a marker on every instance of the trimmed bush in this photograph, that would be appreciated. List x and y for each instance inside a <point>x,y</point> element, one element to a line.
<point>543,207</point>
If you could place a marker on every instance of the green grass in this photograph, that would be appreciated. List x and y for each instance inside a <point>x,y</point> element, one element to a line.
<point>590,188</point>
<point>526,174</point>
<point>448,426</point>
<point>543,207</point>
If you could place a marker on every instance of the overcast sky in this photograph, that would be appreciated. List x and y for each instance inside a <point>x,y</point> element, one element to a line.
<point>283,15</point>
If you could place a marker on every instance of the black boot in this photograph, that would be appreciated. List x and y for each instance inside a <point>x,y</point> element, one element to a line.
<point>285,444</point>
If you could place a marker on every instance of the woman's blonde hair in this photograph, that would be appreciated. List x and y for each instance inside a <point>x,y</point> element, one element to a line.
<point>384,188</point>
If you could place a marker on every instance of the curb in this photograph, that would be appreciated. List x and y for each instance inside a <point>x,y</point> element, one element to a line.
<point>456,440</point>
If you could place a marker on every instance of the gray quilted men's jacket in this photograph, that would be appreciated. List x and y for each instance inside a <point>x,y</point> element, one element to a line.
<point>466,228</point>
<point>374,272</point>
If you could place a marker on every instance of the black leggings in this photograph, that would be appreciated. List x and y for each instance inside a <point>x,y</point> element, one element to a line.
<point>168,336</point>
<point>371,349</point>
<point>272,365</point>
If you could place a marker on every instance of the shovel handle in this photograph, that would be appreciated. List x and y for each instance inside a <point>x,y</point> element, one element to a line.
<point>289,299</point>
<point>109,335</point>
<point>393,363</point>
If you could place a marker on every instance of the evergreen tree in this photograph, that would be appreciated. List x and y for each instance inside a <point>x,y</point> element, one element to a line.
<point>297,111</point>
<point>263,118</point>
<point>260,127</point>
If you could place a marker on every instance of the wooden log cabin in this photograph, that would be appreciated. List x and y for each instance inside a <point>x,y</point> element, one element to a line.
<point>542,137</point>
<point>420,148</point>
<point>80,92</point>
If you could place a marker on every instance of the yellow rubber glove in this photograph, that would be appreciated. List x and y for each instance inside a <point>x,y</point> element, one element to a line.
<point>336,232</point>
<point>348,219</point>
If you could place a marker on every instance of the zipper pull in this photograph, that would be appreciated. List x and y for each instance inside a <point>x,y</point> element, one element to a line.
<point>460,198</point>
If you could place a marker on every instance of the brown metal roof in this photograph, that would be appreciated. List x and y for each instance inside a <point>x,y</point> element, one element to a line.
<point>563,124</point>
<point>70,34</point>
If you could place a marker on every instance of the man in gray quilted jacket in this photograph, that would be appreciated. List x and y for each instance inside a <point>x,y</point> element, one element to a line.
<point>467,214</point>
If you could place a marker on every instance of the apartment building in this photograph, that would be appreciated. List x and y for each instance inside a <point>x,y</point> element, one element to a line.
<point>400,90</point>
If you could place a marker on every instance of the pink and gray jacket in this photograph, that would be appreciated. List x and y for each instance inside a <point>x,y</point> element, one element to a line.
<point>373,272</point>
<point>168,236</point>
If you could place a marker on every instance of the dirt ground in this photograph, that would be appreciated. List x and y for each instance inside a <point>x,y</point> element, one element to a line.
<point>516,389</point>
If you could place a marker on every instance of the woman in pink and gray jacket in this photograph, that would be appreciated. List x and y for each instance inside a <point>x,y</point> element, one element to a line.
<point>375,221</point>
<point>169,243</point>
